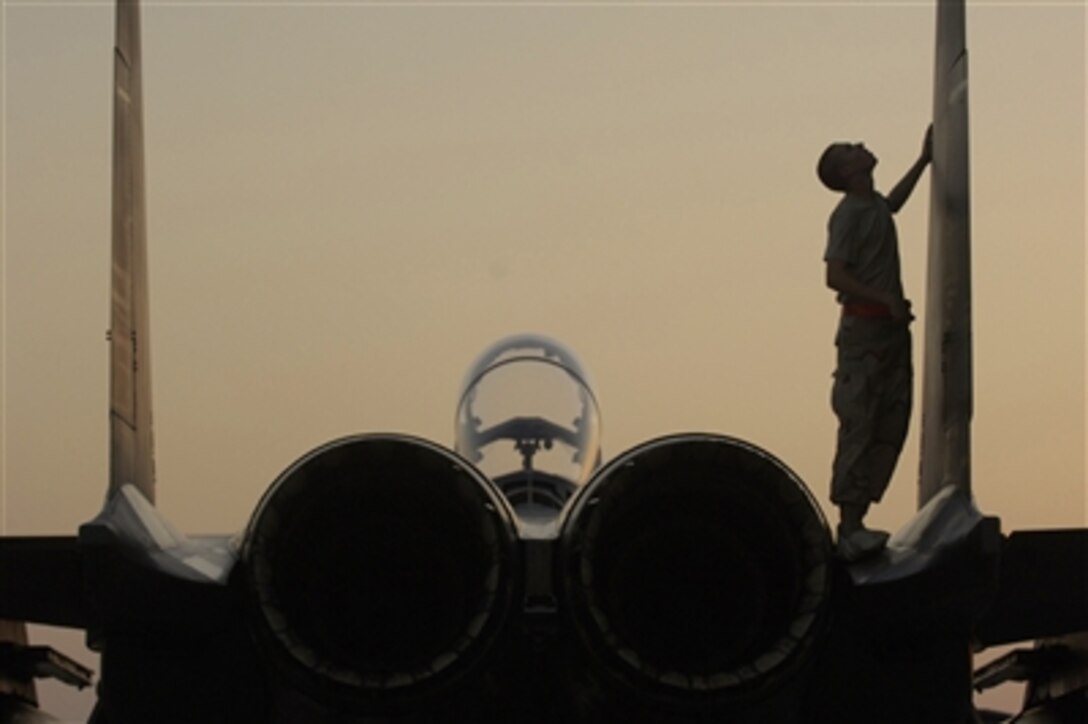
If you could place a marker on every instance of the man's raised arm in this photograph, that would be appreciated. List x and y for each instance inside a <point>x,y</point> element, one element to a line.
<point>902,191</point>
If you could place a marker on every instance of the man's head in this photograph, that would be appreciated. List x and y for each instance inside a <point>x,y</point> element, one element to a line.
<point>841,162</point>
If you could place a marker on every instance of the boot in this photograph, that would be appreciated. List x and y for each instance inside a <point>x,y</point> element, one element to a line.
<point>855,541</point>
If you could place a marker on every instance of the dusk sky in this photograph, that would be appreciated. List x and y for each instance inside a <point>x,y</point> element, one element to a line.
<point>349,201</point>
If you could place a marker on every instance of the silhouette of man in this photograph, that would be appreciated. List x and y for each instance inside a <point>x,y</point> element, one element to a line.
<point>871,395</point>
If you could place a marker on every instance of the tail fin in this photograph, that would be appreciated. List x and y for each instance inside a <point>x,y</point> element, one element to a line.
<point>131,445</point>
<point>947,376</point>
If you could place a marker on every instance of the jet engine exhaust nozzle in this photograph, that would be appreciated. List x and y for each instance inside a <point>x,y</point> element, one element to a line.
<point>696,570</point>
<point>381,571</point>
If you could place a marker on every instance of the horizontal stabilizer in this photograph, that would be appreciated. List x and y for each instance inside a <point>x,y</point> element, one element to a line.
<point>41,581</point>
<point>1042,590</point>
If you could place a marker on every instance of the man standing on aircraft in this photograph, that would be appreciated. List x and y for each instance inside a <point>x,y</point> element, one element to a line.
<point>873,378</point>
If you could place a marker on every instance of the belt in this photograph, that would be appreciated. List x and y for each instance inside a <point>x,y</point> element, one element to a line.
<point>866,310</point>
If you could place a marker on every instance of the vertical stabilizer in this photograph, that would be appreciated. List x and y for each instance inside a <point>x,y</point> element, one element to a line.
<point>947,378</point>
<point>131,447</point>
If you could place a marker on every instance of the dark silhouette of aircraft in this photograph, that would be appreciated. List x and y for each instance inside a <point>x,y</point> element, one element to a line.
<point>386,578</point>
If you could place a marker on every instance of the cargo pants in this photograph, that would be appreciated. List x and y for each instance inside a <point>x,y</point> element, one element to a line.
<point>871,396</point>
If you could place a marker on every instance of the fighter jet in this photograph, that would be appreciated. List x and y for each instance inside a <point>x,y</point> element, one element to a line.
<point>520,577</point>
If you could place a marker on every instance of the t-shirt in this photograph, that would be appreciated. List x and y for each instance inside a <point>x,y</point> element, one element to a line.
<point>861,233</point>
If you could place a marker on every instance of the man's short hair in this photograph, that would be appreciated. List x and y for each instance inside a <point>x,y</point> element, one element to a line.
<point>827,168</point>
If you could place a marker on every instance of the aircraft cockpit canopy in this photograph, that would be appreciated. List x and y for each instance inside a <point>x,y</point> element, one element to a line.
<point>527,418</point>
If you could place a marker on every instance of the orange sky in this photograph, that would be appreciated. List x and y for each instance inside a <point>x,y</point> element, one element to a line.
<point>348,202</point>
